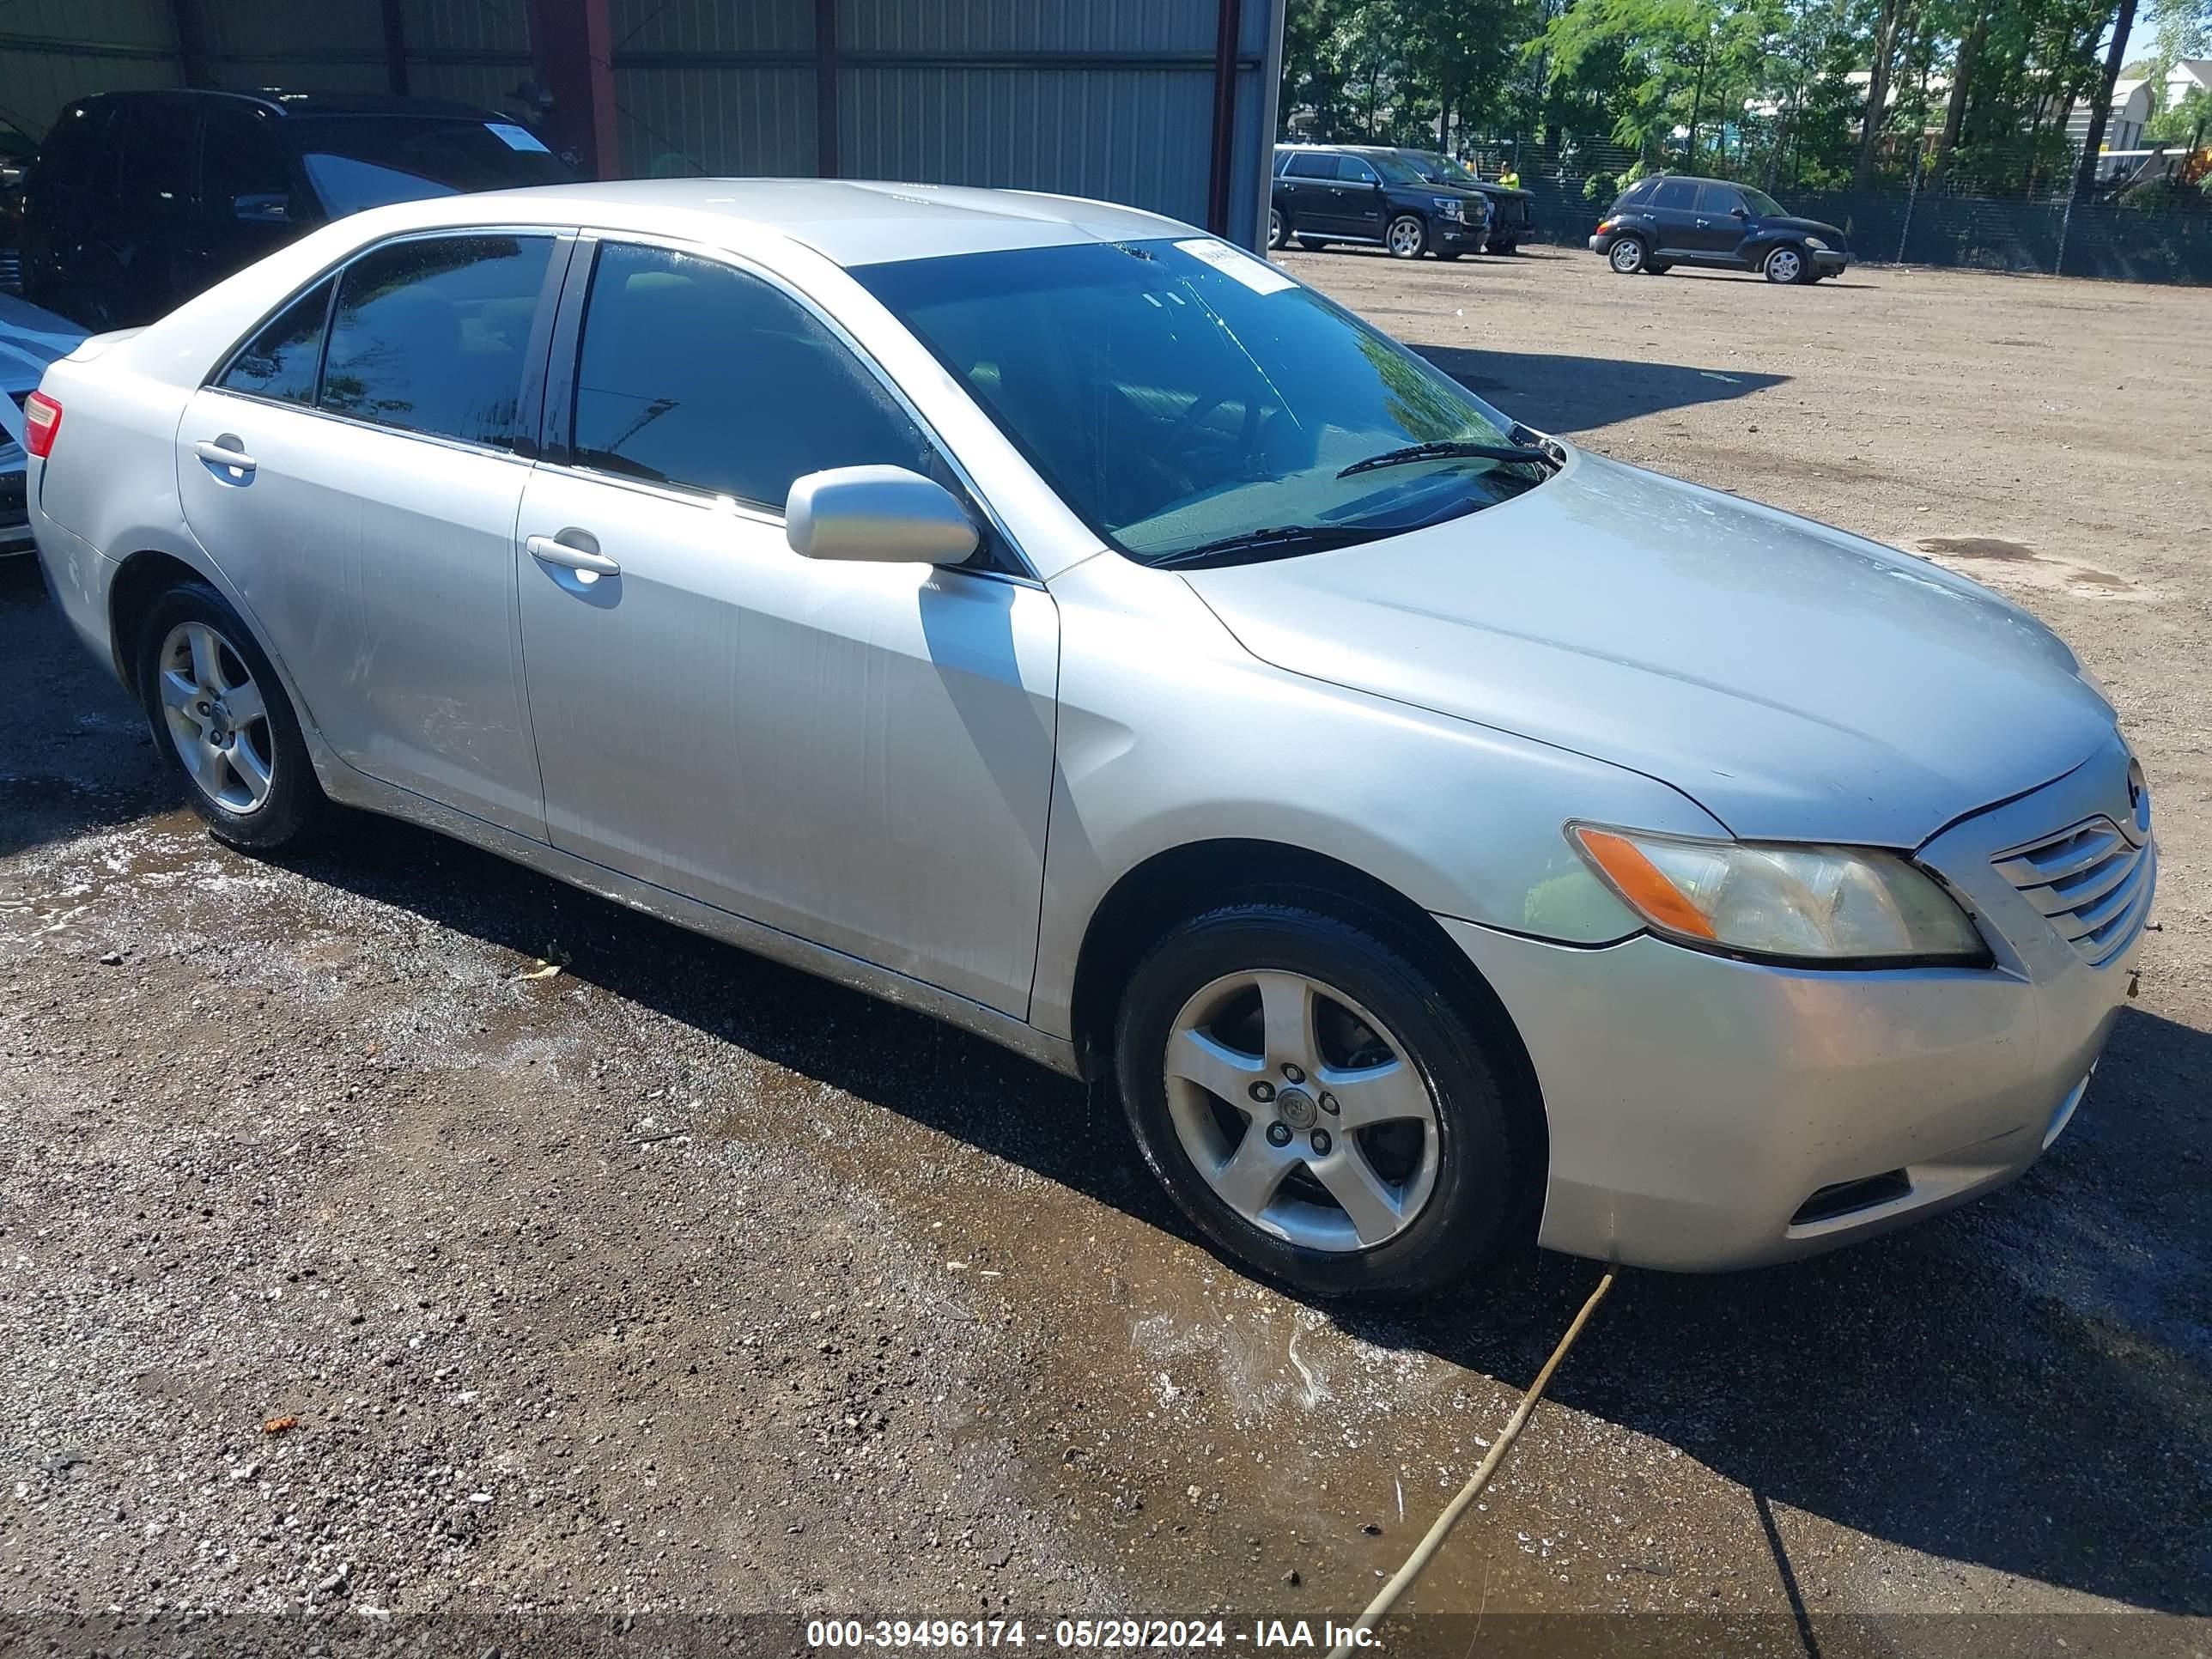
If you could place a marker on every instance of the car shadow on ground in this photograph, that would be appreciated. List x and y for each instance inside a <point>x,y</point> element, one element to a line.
<point>1567,395</point>
<point>2026,1383</point>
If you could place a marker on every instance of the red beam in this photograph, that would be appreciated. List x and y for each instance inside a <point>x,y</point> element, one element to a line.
<point>572,41</point>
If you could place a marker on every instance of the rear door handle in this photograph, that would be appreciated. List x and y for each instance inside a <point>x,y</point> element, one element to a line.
<point>222,455</point>
<point>551,550</point>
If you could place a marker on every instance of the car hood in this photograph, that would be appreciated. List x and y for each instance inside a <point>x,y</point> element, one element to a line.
<point>1797,682</point>
<point>1829,233</point>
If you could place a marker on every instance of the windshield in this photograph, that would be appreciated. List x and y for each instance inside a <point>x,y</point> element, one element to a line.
<point>1397,172</point>
<point>1442,169</point>
<point>1176,394</point>
<point>359,162</point>
<point>1761,203</point>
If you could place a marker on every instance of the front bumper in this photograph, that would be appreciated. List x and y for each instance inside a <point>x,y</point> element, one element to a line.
<point>1459,236</point>
<point>1707,1114</point>
<point>1830,260</point>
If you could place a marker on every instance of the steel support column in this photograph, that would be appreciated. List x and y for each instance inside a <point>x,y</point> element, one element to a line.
<point>1229,16</point>
<point>395,47</point>
<point>191,43</point>
<point>825,88</point>
<point>573,42</point>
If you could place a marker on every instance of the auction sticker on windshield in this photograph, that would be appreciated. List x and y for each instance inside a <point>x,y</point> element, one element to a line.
<point>1256,274</point>
<point>515,137</point>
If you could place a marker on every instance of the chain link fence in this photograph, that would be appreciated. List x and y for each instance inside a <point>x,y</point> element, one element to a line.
<point>2048,235</point>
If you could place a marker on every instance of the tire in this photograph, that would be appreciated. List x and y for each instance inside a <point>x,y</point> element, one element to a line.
<point>1626,255</point>
<point>1656,268</point>
<point>1448,254</point>
<point>1407,236</point>
<point>1509,249</point>
<point>1277,232</point>
<point>1312,244</point>
<point>1786,263</point>
<point>1436,1194</point>
<point>251,781</point>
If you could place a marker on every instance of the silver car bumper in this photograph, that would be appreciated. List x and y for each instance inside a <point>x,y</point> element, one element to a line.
<point>1708,1113</point>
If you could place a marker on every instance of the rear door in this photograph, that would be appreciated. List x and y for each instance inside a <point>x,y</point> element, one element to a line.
<point>356,470</point>
<point>1309,182</point>
<point>1672,214</point>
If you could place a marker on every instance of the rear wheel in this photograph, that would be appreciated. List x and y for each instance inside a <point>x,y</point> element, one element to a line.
<point>1655,267</point>
<point>1407,235</point>
<point>220,717</point>
<point>1306,1092</point>
<point>1312,244</point>
<point>1627,256</point>
<point>1786,265</point>
<point>1278,233</point>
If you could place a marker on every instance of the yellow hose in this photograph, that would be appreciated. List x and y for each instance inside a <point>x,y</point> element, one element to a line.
<point>1403,1580</point>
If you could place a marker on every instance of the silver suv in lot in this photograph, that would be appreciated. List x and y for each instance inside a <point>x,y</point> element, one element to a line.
<point>1043,615</point>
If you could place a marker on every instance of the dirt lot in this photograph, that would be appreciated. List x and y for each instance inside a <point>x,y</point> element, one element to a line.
<point>675,1282</point>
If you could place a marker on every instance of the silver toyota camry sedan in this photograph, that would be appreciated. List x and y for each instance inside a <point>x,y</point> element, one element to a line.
<point>1046,616</point>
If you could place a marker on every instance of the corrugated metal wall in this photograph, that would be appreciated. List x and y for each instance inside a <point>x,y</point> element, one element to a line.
<point>1106,98</point>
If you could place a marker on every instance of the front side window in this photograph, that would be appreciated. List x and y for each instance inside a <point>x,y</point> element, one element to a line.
<point>696,374</point>
<point>1761,203</point>
<point>429,336</point>
<point>1351,170</point>
<point>1718,198</point>
<point>243,177</point>
<point>281,361</point>
<point>1178,394</point>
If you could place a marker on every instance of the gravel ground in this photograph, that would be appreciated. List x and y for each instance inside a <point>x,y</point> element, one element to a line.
<point>674,1283</point>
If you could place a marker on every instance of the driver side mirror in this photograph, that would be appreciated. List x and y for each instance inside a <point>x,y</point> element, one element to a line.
<point>1740,212</point>
<point>875,515</point>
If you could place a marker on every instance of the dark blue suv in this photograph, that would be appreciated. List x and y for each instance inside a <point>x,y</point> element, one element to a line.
<point>1668,220</point>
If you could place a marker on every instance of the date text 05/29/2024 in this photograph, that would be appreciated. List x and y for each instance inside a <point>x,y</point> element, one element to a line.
<point>1295,1635</point>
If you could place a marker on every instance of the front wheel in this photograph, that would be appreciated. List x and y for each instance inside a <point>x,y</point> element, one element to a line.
<point>1312,244</point>
<point>1311,1101</point>
<point>222,720</point>
<point>1278,233</point>
<point>1785,264</point>
<point>1407,235</point>
<point>1627,256</point>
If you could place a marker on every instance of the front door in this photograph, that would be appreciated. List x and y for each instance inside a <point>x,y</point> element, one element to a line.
<point>1718,226</point>
<point>1356,208</point>
<point>367,517</point>
<point>858,754</point>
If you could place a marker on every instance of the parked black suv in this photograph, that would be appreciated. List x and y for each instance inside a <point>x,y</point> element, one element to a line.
<point>139,200</point>
<point>1668,220</point>
<point>1328,193</point>
<point>1511,221</point>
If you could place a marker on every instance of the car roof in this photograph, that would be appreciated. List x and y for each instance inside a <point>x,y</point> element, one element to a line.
<point>279,101</point>
<point>851,221</point>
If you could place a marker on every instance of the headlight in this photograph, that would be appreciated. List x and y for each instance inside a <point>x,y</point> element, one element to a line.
<point>1834,904</point>
<point>1815,242</point>
<point>1446,205</point>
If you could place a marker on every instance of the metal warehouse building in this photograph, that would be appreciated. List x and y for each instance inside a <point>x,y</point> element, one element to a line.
<point>1162,104</point>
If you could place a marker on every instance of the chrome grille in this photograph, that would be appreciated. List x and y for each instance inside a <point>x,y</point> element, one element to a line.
<point>2093,883</point>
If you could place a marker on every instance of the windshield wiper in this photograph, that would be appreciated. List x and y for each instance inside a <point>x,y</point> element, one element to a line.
<point>1448,449</point>
<point>1280,538</point>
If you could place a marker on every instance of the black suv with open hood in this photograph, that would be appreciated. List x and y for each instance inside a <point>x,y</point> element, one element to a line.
<point>1327,193</point>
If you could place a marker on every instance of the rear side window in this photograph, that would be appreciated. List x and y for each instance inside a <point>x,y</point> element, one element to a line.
<point>1309,165</point>
<point>74,147</point>
<point>429,336</point>
<point>694,375</point>
<point>1637,193</point>
<point>1676,193</point>
<point>161,141</point>
<point>280,362</point>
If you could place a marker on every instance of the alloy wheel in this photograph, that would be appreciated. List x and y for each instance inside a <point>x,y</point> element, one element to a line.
<point>1627,256</point>
<point>1274,228</point>
<point>1406,237</point>
<point>1783,266</point>
<point>1301,1110</point>
<point>215,717</point>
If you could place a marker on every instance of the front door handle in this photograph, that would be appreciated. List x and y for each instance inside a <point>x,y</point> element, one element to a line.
<point>1703,223</point>
<point>564,550</point>
<point>221,454</point>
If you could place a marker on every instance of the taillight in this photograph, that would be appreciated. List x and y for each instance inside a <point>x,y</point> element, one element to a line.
<point>42,418</point>
<point>1603,226</point>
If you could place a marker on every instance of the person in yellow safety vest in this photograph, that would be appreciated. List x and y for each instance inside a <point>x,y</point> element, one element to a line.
<point>1511,178</point>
